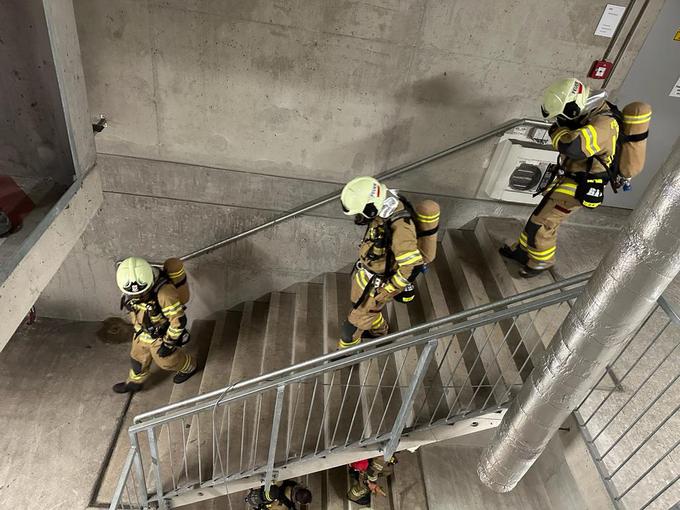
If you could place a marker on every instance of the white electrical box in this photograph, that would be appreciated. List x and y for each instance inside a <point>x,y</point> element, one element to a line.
<point>517,167</point>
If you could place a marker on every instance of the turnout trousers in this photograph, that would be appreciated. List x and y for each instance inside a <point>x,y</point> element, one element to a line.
<point>144,352</point>
<point>538,240</point>
<point>366,315</point>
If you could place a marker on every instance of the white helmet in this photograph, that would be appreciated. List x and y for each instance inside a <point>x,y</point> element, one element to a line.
<point>134,276</point>
<point>565,99</point>
<point>363,195</point>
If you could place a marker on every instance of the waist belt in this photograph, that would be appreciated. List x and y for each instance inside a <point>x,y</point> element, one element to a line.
<point>370,275</point>
<point>368,281</point>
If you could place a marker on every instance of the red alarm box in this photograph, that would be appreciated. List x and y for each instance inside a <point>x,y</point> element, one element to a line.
<point>600,70</point>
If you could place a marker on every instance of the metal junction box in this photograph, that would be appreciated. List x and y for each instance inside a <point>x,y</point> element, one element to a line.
<point>517,167</point>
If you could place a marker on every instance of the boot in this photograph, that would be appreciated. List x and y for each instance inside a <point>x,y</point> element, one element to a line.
<point>530,272</point>
<point>516,254</point>
<point>181,377</point>
<point>127,387</point>
<point>370,335</point>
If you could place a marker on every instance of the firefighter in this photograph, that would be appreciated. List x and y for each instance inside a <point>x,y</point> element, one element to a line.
<point>585,135</point>
<point>157,315</point>
<point>280,496</point>
<point>366,476</point>
<point>389,257</point>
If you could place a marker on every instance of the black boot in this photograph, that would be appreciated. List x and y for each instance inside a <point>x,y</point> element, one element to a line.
<point>127,387</point>
<point>181,377</point>
<point>518,255</point>
<point>530,272</point>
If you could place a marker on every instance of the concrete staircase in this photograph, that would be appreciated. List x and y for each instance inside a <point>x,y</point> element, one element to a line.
<point>300,323</point>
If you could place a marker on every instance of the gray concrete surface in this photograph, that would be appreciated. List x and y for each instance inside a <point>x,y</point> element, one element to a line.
<point>27,271</point>
<point>58,413</point>
<point>326,90</point>
<point>149,217</point>
<point>61,26</point>
<point>33,135</point>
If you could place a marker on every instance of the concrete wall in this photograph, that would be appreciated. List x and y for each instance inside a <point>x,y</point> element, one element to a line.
<point>33,135</point>
<point>168,213</point>
<point>324,89</point>
<point>224,113</point>
<point>61,25</point>
<point>25,274</point>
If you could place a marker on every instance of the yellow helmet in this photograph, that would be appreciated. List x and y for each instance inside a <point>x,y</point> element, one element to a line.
<point>565,99</point>
<point>363,195</point>
<point>134,276</point>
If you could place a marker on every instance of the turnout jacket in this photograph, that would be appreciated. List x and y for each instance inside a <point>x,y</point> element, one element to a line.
<point>163,313</point>
<point>397,247</point>
<point>581,146</point>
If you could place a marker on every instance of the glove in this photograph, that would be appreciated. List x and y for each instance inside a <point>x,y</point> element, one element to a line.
<point>376,489</point>
<point>165,350</point>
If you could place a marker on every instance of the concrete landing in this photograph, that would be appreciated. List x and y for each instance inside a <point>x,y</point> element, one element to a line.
<point>58,413</point>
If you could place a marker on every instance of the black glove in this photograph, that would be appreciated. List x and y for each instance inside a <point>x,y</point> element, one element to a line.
<point>165,350</point>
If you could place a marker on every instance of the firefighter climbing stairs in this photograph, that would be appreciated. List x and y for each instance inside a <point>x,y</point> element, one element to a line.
<point>301,323</point>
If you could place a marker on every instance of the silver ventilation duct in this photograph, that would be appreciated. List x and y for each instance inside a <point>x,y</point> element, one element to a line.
<point>620,294</point>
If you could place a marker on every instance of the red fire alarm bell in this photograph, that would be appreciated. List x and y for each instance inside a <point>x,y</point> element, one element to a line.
<point>600,70</point>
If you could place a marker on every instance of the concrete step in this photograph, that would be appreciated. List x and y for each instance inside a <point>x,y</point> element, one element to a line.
<point>487,351</point>
<point>278,353</point>
<point>454,377</point>
<point>479,365</point>
<point>196,432</point>
<point>407,485</point>
<point>402,365</point>
<point>436,395</point>
<point>343,419</point>
<point>306,406</point>
<point>159,390</point>
<point>239,421</point>
<point>170,443</point>
<point>491,234</point>
<point>335,489</point>
<point>502,280</point>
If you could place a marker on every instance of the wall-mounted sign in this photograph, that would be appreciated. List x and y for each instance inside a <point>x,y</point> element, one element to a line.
<point>610,20</point>
<point>675,91</point>
<point>677,35</point>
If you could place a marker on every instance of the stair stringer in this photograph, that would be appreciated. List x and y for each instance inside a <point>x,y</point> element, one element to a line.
<point>327,460</point>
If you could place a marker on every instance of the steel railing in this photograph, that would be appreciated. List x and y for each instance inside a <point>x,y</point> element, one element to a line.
<point>633,432</point>
<point>499,130</point>
<point>441,372</point>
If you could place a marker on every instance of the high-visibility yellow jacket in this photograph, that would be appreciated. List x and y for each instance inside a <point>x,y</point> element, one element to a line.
<point>165,312</point>
<point>579,147</point>
<point>373,251</point>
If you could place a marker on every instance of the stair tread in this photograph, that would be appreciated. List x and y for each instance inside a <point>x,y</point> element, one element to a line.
<point>343,414</point>
<point>158,390</point>
<point>278,353</point>
<point>494,231</point>
<point>239,421</point>
<point>466,265</point>
<point>408,483</point>
<point>503,281</point>
<point>335,489</point>
<point>169,446</point>
<point>215,375</point>
<point>305,407</point>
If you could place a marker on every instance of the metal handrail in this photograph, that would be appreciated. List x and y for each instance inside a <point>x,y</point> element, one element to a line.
<point>381,176</point>
<point>381,345</point>
<point>364,355</point>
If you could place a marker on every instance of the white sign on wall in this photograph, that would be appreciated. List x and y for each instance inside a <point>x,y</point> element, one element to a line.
<point>610,20</point>
<point>675,91</point>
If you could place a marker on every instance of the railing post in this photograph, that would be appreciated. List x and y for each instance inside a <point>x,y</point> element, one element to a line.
<point>156,468</point>
<point>276,423</point>
<point>140,480</point>
<point>400,421</point>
